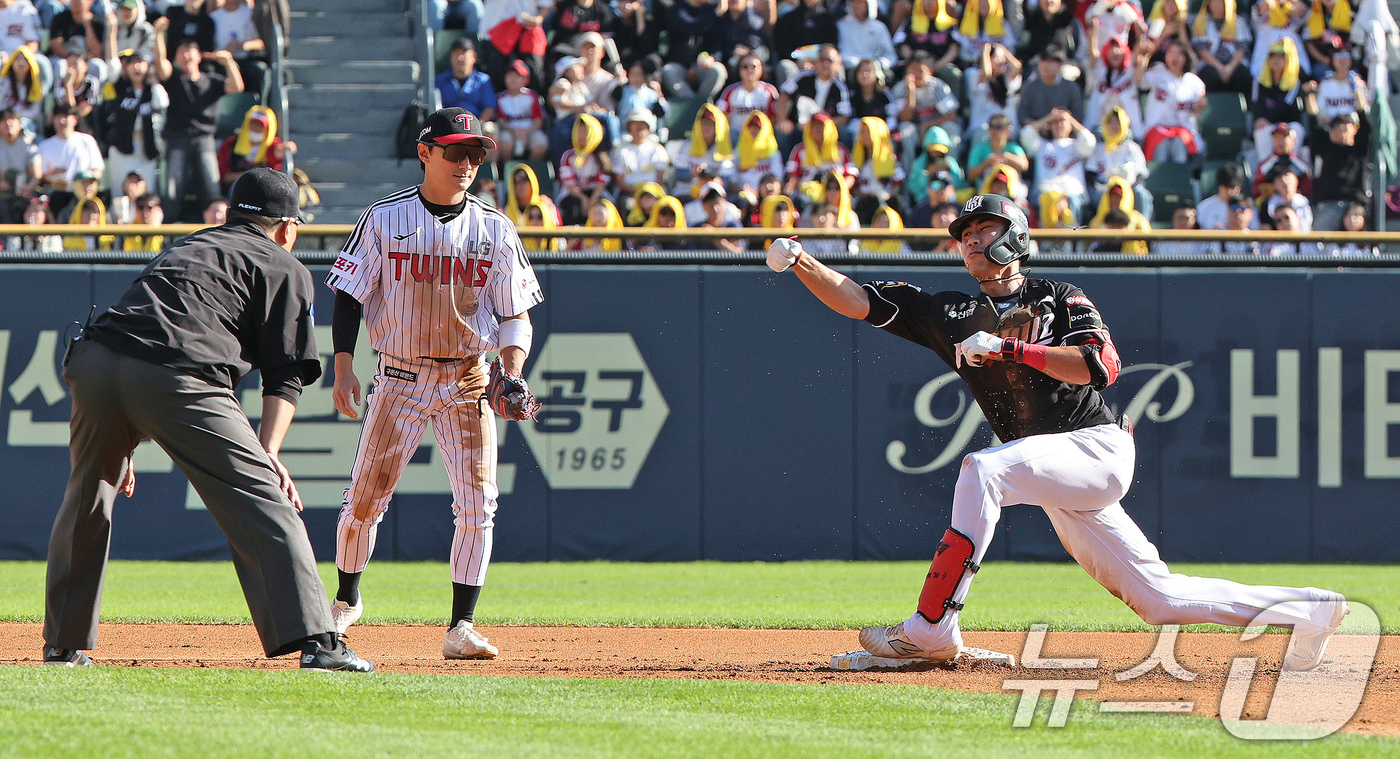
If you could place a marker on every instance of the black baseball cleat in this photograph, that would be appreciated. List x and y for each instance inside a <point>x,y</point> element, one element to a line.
<point>316,657</point>
<point>65,657</point>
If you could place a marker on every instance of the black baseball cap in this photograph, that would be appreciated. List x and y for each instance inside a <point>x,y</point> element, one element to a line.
<point>449,126</point>
<point>265,192</point>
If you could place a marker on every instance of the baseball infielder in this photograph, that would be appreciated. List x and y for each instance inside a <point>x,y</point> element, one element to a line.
<point>1035,353</point>
<point>432,266</point>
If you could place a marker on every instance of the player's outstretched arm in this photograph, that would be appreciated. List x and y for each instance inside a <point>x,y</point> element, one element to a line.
<point>831,287</point>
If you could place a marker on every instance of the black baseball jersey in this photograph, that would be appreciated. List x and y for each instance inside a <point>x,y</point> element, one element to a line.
<point>1018,401</point>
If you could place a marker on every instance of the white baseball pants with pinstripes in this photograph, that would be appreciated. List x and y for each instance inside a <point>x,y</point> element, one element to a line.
<point>1078,478</point>
<point>407,394</point>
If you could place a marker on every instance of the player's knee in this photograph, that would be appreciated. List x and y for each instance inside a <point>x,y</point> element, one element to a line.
<point>363,512</point>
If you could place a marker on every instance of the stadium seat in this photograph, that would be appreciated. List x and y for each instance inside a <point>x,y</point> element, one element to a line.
<point>232,109</point>
<point>1224,124</point>
<point>442,49</point>
<point>682,116</point>
<point>1171,187</point>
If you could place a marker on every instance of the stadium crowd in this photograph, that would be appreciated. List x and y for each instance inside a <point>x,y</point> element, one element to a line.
<point>841,114</point>
<point>109,111</point>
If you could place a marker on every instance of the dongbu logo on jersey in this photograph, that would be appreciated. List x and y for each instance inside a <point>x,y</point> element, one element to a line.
<point>600,413</point>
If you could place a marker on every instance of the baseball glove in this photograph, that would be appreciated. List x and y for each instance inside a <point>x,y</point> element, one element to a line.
<point>509,396</point>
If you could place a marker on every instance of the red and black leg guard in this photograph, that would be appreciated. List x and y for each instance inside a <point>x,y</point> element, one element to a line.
<point>950,563</point>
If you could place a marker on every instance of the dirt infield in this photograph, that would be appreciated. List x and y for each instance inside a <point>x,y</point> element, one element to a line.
<point>788,656</point>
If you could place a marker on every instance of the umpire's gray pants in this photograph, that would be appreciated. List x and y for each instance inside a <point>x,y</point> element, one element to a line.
<point>117,401</point>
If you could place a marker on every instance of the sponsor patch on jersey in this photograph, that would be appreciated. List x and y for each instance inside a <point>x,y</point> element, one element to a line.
<point>346,266</point>
<point>403,374</point>
<point>881,284</point>
<point>1079,300</point>
<point>960,311</point>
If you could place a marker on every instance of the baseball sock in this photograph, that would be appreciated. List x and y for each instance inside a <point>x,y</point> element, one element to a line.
<point>463,602</point>
<point>324,640</point>
<point>349,590</point>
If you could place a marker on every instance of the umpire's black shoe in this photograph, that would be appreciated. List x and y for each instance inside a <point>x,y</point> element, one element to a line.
<point>65,657</point>
<point>314,656</point>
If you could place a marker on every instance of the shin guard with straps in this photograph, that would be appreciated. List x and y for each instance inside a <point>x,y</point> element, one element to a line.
<point>950,562</point>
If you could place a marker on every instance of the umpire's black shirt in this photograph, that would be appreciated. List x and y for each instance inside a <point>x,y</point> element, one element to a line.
<point>218,304</point>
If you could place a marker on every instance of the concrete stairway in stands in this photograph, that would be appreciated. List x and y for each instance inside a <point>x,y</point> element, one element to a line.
<point>353,68</point>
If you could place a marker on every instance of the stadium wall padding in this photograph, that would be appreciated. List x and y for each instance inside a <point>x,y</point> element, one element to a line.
<point>721,412</point>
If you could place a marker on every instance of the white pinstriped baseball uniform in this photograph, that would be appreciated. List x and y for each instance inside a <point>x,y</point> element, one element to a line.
<point>431,293</point>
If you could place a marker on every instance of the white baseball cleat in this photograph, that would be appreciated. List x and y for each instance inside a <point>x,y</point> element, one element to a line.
<point>893,643</point>
<point>343,614</point>
<point>464,642</point>
<point>1306,647</point>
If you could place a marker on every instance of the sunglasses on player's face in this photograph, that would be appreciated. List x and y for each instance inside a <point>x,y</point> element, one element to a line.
<point>460,152</point>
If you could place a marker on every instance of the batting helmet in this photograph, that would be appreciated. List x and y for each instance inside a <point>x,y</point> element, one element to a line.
<point>1014,243</point>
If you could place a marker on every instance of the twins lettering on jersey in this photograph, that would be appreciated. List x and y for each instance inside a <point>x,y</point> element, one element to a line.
<point>424,267</point>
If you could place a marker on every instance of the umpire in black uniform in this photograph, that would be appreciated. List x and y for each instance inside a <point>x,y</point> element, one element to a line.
<point>162,364</point>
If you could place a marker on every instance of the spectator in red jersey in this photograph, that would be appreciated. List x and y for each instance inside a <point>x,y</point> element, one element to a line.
<point>749,94</point>
<point>520,114</point>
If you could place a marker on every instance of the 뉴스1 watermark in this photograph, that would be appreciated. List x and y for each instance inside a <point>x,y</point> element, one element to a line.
<point>1304,705</point>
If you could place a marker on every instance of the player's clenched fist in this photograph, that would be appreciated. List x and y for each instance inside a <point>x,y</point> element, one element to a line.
<point>783,252</point>
<point>977,348</point>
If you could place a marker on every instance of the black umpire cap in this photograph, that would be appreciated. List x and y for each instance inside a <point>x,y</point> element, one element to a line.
<point>266,192</point>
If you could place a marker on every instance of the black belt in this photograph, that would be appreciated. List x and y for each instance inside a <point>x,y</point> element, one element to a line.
<point>443,360</point>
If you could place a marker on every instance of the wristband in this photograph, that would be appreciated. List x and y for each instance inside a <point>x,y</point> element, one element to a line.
<point>517,332</point>
<point>1030,354</point>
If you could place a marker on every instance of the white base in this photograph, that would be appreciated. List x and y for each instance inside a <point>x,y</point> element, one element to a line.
<point>861,660</point>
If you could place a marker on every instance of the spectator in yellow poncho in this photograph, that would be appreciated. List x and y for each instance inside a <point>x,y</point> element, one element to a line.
<point>89,211</point>
<point>603,214</point>
<point>537,214</point>
<point>777,212</point>
<point>1119,195</point>
<point>668,213</point>
<point>643,202</point>
<point>524,189</point>
<point>820,152</point>
<point>878,174</point>
<point>709,145</point>
<point>886,218</point>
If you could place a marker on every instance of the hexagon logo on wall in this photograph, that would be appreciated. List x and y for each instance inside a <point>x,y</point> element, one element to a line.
<point>600,413</point>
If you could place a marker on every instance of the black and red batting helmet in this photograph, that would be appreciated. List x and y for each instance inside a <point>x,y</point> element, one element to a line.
<point>1014,243</point>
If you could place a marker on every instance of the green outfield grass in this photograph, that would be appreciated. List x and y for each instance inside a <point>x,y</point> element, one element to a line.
<point>114,712</point>
<point>817,594</point>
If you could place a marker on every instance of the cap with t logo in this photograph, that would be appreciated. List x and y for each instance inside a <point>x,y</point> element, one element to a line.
<point>452,125</point>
